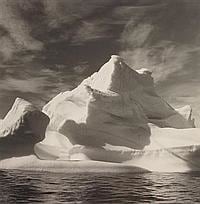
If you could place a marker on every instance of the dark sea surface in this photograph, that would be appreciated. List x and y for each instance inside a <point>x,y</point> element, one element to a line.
<point>35,187</point>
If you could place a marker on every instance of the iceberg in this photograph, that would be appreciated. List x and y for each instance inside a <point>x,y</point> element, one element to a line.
<point>22,128</point>
<point>113,121</point>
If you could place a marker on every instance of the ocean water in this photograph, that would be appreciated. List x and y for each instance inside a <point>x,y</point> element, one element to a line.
<point>45,187</point>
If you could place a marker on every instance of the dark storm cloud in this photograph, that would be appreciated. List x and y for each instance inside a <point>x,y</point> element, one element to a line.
<point>30,25</point>
<point>40,25</point>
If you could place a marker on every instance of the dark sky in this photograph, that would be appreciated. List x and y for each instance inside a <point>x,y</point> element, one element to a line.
<point>48,46</point>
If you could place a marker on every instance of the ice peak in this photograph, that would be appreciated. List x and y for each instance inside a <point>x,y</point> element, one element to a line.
<point>115,76</point>
<point>116,58</point>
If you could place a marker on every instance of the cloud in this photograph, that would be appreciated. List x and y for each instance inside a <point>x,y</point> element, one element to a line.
<point>91,31</point>
<point>44,27</point>
<point>17,28</point>
<point>16,36</point>
<point>164,59</point>
<point>155,39</point>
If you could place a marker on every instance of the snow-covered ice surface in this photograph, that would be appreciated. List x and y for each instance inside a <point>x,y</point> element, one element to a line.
<point>113,119</point>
